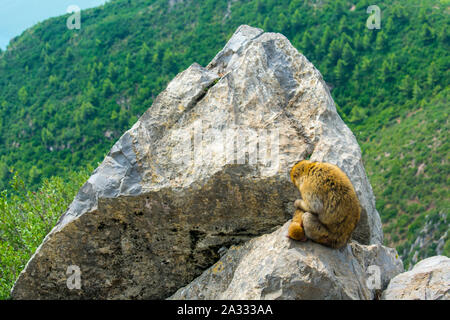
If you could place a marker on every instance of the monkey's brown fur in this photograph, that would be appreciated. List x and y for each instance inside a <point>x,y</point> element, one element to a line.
<point>329,209</point>
<point>296,230</point>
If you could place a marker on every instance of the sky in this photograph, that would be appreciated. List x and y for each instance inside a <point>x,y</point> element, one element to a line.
<point>18,15</point>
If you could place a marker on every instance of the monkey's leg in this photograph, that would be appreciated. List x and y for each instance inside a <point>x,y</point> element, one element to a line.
<point>318,232</point>
<point>296,230</point>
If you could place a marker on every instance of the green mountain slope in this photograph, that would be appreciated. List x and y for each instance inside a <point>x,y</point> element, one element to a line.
<point>407,162</point>
<point>67,95</point>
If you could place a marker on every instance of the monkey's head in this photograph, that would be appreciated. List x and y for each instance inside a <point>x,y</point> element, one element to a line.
<point>298,171</point>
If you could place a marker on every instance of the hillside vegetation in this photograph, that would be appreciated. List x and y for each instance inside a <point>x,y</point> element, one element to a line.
<point>67,95</point>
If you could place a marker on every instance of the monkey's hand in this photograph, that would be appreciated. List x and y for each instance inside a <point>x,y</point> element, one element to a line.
<point>298,204</point>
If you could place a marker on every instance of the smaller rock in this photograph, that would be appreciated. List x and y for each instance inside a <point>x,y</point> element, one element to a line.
<point>428,280</point>
<point>275,267</point>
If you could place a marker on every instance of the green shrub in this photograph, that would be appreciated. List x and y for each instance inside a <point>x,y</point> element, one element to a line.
<point>26,217</point>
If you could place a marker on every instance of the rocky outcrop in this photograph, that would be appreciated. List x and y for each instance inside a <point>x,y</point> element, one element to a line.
<point>204,168</point>
<point>276,267</point>
<point>428,280</point>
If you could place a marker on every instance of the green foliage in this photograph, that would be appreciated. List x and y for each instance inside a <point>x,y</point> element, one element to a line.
<point>407,162</point>
<point>26,217</point>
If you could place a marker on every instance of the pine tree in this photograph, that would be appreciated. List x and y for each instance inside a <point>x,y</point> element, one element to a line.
<point>343,25</point>
<point>367,41</point>
<point>358,43</point>
<point>390,26</point>
<point>23,95</point>
<point>443,36</point>
<point>432,76</point>
<point>144,53</point>
<point>381,42</point>
<point>129,61</point>
<point>107,88</point>
<point>111,71</point>
<point>283,24</point>
<point>340,71</point>
<point>406,86</point>
<point>426,35</point>
<point>335,51</point>
<point>307,42</point>
<point>417,92</point>
<point>385,72</point>
<point>297,20</point>
<point>348,56</point>
<point>326,38</point>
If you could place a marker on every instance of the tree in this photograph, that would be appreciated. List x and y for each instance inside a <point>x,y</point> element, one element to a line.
<point>267,26</point>
<point>381,41</point>
<point>47,137</point>
<point>443,36</point>
<point>297,20</point>
<point>433,75</point>
<point>426,35</point>
<point>406,86</point>
<point>348,56</point>
<point>307,42</point>
<point>367,41</point>
<point>68,54</point>
<point>260,6</point>
<point>417,92</point>
<point>341,71</point>
<point>145,53</point>
<point>325,41</point>
<point>335,51</point>
<point>107,88</point>
<point>129,61</point>
<point>385,72</point>
<point>366,65</point>
<point>358,43</point>
<point>111,71</point>
<point>168,63</point>
<point>344,25</point>
<point>390,26</point>
<point>357,114</point>
<point>283,24</point>
<point>23,95</point>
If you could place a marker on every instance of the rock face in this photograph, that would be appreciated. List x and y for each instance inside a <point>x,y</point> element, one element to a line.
<point>428,280</point>
<point>276,267</point>
<point>207,166</point>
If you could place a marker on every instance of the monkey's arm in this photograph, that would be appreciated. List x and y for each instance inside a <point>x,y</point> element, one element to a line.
<point>310,204</point>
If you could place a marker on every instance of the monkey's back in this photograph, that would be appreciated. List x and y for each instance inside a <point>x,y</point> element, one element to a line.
<point>340,210</point>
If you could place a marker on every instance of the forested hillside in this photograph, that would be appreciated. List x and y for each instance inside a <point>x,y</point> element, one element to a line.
<point>67,95</point>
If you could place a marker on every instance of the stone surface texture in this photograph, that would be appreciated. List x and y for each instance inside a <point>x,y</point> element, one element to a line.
<point>275,267</point>
<point>429,279</point>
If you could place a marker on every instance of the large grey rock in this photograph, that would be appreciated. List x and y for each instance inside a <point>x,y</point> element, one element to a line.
<point>173,190</point>
<point>275,267</point>
<point>428,280</point>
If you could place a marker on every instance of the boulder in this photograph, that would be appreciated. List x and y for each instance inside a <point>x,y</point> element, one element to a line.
<point>429,279</point>
<point>275,267</point>
<point>205,167</point>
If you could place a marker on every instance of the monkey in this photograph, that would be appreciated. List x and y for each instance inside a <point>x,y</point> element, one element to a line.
<point>329,209</point>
